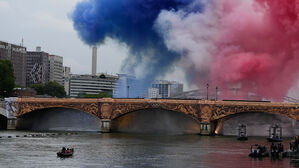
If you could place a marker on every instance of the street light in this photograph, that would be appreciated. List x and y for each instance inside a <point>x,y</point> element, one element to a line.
<point>207,91</point>
<point>216,97</point>
<point>128,90</point>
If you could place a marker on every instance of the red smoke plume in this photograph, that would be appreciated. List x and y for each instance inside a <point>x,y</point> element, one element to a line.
<point>258,47</point>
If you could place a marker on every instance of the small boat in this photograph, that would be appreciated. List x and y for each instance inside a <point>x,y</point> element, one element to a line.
<point>65,152</point>
<point>275,134</point>
<point>242,138</point>
<point>258,151</point>
<point>242,133</point>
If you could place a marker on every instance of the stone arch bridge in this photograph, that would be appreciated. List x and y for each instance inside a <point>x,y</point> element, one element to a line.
<point>203,111</point>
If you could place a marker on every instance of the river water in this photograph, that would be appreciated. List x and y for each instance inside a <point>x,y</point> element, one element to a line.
<point>118,150</point>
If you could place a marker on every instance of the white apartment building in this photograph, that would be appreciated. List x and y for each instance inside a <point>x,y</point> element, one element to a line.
<point>92,84</point>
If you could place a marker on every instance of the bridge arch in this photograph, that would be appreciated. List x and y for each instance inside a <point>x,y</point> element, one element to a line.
<point>155,120</point>
<point>24,108</point>
<point>257,124</point>
<point>119,114</point>
<point>222,111</point>
<point>58,119</point>
<point>112,111</point>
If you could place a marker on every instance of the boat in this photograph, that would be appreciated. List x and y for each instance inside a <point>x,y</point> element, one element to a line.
<point>275,134</point>
<point>258,151</point>
<point>274,139</point>
<point>65,152</point>
<point>242,133</point>
<point>242,138</point>
<point>276,150</point>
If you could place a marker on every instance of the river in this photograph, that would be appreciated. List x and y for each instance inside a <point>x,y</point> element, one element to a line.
<point>119,150</point>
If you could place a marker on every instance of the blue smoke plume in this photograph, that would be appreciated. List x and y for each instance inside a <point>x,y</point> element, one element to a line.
<point>130,22</point>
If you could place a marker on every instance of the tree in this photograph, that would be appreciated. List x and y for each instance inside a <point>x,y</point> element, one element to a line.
<point>7,79</point>
<point>54,89</point>
<point>51,88</point>
<point>99,95</point>
<point>39,88</point>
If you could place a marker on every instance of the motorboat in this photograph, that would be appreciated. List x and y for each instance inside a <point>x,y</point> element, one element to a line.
<point>257,151</point>
<point>275,134</point>
<point>242,138</point>
<point>65,152</point>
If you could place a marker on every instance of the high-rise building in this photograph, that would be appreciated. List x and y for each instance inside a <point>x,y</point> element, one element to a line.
<point>56,69</point>
<point>153,93</point>
<point>92,84</point>
<point>37,69</point>
<point>128,86</point>
<point>66,80</point>
<point>166,88</point>
<point>17,55</point>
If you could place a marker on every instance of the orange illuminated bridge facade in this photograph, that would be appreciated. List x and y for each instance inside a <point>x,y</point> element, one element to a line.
<point>203,111</point>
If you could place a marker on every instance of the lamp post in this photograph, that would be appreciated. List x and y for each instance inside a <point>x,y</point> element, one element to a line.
<point>207,91</point>
<point>128,91</point>
<point>216,97</point>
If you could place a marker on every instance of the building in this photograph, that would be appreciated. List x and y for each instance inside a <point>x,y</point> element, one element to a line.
<point>92,84</point>
<point>66,79</point>
<point>153,93</point>
<point>56,69</point>
<point>128,86</point>
<point>37,68</point>
<point>17,55</point>
<point>166,89</point>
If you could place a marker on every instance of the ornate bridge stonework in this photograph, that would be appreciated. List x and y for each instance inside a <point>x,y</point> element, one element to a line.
<point>202,111</point>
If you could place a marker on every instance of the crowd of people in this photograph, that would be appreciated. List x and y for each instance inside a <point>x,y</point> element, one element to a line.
<point>66,150</point>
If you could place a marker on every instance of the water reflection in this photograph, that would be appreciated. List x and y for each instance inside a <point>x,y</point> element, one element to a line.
<point>131,150</point>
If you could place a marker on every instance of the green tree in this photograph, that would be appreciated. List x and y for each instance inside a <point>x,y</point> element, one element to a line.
<point>39,88</point>
<point>7,79</point>
<point>54,89</point>
<point>99,95</point>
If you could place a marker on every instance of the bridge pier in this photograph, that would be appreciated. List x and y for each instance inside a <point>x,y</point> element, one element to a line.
<point>11,123</point>
<point>206,129</point>
<point>105,126</point>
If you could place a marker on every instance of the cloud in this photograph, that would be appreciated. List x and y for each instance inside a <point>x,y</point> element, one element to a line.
<point>4,6</point>
<point>49,20</point>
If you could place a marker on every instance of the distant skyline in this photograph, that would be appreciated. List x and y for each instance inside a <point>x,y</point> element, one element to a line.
<point>45,23</point>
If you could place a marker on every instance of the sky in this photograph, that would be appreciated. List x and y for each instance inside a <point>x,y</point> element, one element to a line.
<point>46,23</point>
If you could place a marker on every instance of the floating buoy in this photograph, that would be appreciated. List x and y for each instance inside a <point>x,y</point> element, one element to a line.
<point>9,137</point>
<point>25,135</point>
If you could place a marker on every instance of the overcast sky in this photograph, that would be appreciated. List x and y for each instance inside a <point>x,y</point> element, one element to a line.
<point>45,23</point>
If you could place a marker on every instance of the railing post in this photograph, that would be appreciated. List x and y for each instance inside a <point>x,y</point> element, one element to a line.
<point>11,123</point>
<point>105,126</point>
